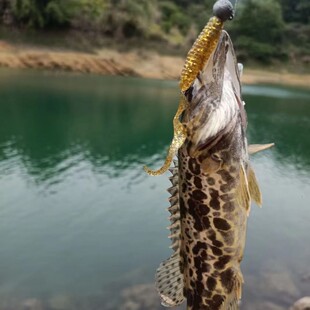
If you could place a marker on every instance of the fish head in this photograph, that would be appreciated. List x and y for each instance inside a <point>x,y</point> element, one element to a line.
<point>214,98</point>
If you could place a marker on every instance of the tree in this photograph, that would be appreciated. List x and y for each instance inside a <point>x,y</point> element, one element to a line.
<point>43,13</point>
<point>296,11</point>
<point>259,28</point>
<point>129,18</point>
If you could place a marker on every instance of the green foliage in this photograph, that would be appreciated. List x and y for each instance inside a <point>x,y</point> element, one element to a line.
<point>92,9</point>
<point>261,20</point>
<point>259,29</point>
<point>200,13</point>
<point>186,3</point>
<point>129,18</point>
<point>172,17</point>
<point>262,30</point>
<point>251,49</point>
<point>296,11</point>
<point>43,13</point>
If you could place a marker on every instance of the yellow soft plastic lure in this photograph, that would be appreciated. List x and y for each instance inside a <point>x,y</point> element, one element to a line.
<point>178,140</point>
<point>196,58</point>
<point>200,52</point>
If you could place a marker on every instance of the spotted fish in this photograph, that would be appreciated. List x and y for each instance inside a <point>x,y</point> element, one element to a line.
<point>213,184</point>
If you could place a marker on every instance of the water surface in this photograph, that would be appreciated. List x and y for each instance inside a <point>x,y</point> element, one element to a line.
<point>81,222</point>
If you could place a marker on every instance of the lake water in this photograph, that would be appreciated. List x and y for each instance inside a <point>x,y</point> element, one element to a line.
<point>83,227</point>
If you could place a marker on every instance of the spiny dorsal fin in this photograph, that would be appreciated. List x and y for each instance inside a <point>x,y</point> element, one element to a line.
<point>255,192</point>
<point>169,281</point>
<point>174,209</point>
<point>255,148</point>
<point>242,193</point>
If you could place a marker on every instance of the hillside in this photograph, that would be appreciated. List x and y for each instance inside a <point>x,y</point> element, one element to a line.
<point>265,32</point>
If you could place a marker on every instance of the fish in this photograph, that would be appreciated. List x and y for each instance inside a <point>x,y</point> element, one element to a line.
<point>213,184</point>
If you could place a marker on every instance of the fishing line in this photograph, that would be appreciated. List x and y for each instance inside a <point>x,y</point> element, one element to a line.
<point>235,6</point>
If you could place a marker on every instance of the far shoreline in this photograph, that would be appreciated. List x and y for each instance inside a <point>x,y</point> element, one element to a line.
<point>137,63</point>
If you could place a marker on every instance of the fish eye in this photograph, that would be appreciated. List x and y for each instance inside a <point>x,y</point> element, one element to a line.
<point>216,157</point>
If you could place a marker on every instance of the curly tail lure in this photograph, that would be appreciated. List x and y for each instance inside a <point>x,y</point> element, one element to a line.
<point>196,59</point>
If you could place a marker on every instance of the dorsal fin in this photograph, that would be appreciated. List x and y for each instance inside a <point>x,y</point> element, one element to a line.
<point>255,192</point>
<point>255,148</point>
<point>242,192</point>
<point>169,278</point>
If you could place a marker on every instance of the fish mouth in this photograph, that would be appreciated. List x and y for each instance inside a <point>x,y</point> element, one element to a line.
<point>214,99</point>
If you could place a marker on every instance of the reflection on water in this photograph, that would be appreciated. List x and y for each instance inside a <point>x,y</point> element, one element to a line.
<point>81,225</point>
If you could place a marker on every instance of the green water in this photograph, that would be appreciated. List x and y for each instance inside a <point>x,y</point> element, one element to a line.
<point>80,219</point>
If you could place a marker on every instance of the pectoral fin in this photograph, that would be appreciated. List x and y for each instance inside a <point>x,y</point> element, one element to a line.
<point>255,148</point>
<point>243,197</point>
<point>254,190</point>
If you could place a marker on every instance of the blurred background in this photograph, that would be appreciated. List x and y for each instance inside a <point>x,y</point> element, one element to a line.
<point>270,34</point>
<point>88,90</point>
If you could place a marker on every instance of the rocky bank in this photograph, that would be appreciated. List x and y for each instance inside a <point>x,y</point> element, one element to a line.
<point>138,63</point>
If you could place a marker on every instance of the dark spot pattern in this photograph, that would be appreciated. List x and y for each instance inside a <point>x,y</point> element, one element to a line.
<point>199,195</point>
<point>199,246</point>
<point>221,224</point>
<point>193,166</point>
<point>211,284</point>
<point>216,251</point>
<point>228,206</point>
<point>210,181</point>
<point>225,188</point>
<point>228,237</point>
<point>204,210</point>
<point>197,182</point>
<point>217,243</point>
<point>222,261</point>
<point>226,197</point>
<point>227,279</point>
<point>214,202</point>
<point>206,222</point>
<point>204,255</point>
<point>217,301</point>
<point>188,176</point>
<point>226,176</point>
<point>191,273</point>
<point>192,203</point>
<point>201,266</point>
